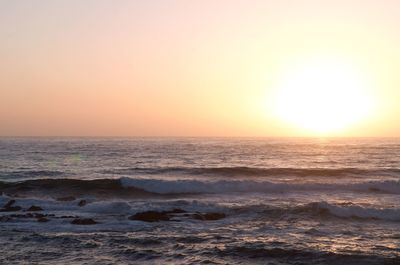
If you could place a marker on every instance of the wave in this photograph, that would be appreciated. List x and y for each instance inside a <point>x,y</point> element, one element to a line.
<point>71,187</point>
<point>290,255</point>
<point>254,171</point>
<point>327,210</point>
<point>140,186</point>
<point>163,186</point>
<point>315,210</point>
<point>354,211</point>
<point>212,171</point>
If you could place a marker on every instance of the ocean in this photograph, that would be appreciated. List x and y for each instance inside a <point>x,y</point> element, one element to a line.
<point>200,201</point>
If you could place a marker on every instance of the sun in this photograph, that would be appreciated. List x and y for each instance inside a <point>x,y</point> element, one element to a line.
<point>322,96</point>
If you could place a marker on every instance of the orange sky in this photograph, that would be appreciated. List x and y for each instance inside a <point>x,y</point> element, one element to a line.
<point>184,68</point>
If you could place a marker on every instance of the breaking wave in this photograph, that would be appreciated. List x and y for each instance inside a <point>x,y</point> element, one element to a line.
<point>326,210</point>
<point>134,186</point>
<point>163,186</point>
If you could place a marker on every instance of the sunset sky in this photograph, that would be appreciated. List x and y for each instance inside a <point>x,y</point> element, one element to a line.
<point>199,68</point>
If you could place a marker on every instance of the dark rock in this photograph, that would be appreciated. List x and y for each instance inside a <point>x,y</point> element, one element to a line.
<point>172,215</point>
<point>39,215</point>
<point>82,203</point>
<point>66,199</point>
<point>28,215</point>
<point>197,216</point>
<point>5,219</point>
<point>34,208</point>
<point>175,211</point>
<point>11,209</point>
<point>83,221</point>
<point>208,216</point>
<point>9,204</point>
<point>150,216</point>
<point>42,220</point>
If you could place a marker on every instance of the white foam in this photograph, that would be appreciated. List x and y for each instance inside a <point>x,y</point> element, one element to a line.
<point>389,214</point>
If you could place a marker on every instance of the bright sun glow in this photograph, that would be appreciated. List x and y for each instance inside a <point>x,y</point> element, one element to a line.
<point>322,96</point>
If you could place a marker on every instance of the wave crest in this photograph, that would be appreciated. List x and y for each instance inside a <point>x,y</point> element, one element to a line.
<point>353,211</point>
<point>163,186</point>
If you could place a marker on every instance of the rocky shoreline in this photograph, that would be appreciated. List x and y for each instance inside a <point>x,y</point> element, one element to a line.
<point>175,215</point>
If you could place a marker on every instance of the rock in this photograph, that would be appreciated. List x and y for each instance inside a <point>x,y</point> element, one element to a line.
<point>9,204</point>
<point>175,211</point>
<point>208,216</point>
<point>214,216</point>
<point>66,199</point>
<point>42,220</point>
<point>150,216</point>
<point>82,203</point>
<point>28,215</point>
<point>83,221</point>
<point>5,219</point>
<point>39,215</point>
<point>34,208</point>
<point>11,209</point>
<point>172,215</point>
<point>197,216</point>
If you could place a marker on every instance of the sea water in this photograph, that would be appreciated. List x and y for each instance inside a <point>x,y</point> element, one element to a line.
<point>284,200</point>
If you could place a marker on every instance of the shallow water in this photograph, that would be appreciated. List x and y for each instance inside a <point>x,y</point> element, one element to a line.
<point>286,201</point>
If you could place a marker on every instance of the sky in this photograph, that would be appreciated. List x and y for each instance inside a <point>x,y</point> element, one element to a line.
<point>194,68</point>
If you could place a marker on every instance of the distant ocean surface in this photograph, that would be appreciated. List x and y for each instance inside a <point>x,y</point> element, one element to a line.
<point>221,200</point>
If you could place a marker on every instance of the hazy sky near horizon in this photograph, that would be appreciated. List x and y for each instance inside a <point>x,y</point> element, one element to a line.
<point>184,68</point>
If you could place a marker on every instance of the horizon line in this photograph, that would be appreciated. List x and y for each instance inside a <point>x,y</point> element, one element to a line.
<point>182,136</point>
